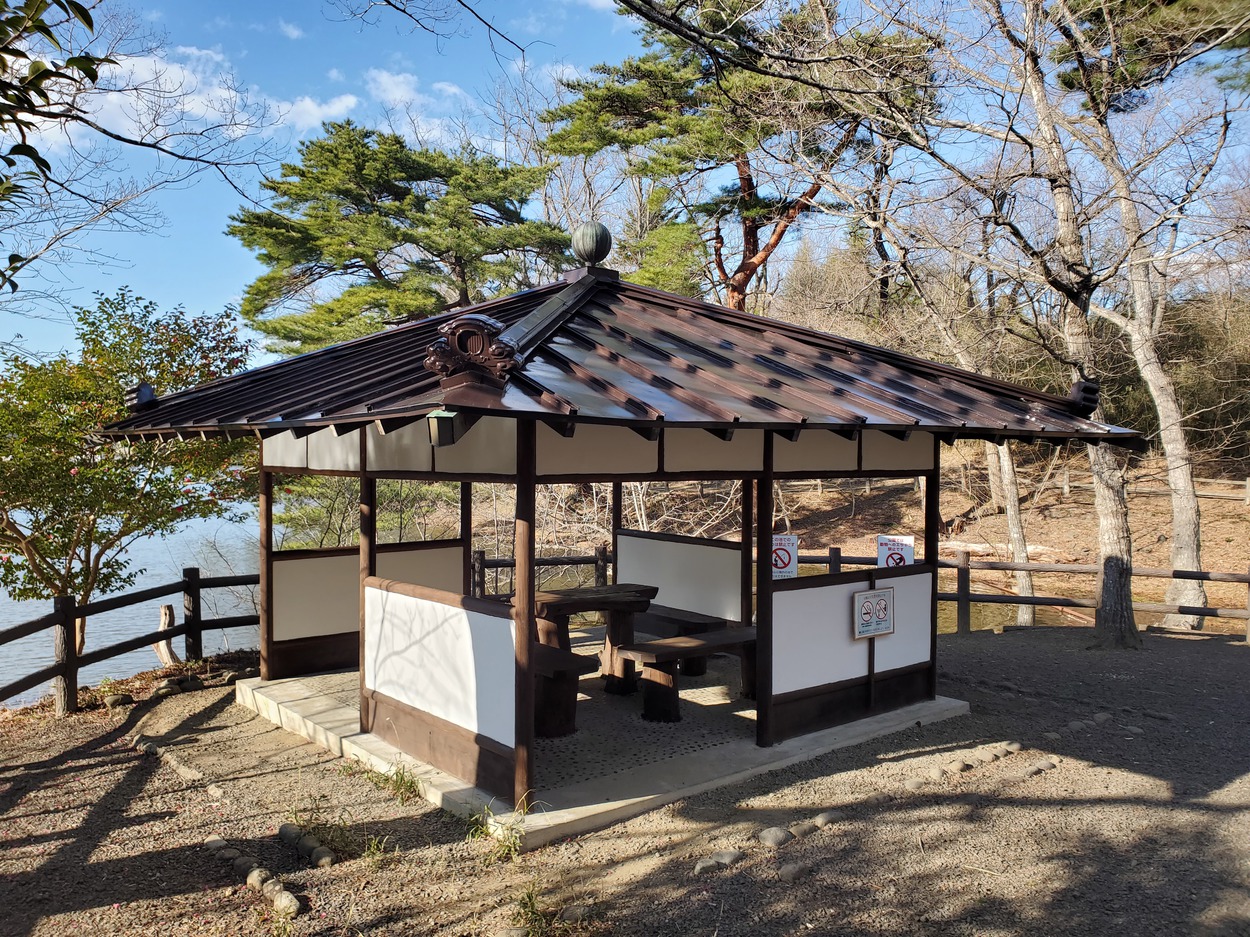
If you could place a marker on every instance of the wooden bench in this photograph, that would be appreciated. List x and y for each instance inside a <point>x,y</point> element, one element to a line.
<point>556,672</point>
<point>659,659</point>
<point>666,622</point>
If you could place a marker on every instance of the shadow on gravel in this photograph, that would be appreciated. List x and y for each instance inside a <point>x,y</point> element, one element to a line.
<point>144,874</point>
<point>1109,850</point>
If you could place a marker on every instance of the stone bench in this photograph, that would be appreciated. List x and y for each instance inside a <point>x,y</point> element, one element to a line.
<point>660,658</point>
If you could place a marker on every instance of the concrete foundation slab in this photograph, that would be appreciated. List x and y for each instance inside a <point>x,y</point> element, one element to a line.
<point>569,802</point>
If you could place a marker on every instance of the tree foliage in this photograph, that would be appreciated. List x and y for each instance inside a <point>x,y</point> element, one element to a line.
<point>366,231</point>
<point>81,85</point>
<point>70,503</point>
<point>713,132</point>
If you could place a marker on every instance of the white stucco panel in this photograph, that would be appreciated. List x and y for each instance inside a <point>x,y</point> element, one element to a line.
<point>336,453</point>
<point>883,452</point>
<point>285,450</point>
<point>315,595</point>
<point>437,567</point>
<point>691,576</point>
<point>406,449</point>
<point>815,450</point>
<point>910,642</point>
<point>596,450</point>
<point>489,447</point>
<point>451,663</point>
<point>697,450</point>
<point>812,643</point>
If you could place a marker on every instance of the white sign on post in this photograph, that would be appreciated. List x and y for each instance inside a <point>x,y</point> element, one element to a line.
<point>895,551</point>
<point>785,557</point>
<point>873,613</point>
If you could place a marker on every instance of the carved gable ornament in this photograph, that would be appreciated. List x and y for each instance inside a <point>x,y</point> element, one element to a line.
<point>471,352</point>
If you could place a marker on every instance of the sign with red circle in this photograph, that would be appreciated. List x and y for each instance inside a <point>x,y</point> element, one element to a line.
<point>874,613</point>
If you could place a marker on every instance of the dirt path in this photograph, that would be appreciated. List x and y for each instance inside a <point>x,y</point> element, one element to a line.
<point>1141,827</point>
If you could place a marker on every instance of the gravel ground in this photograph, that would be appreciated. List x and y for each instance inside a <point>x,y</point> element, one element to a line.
<point>1141,825</point>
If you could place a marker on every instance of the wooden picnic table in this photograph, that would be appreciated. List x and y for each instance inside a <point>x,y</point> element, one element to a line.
<point>618,602</point>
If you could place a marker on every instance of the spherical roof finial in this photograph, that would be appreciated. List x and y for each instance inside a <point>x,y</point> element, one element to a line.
<point>592,242</point>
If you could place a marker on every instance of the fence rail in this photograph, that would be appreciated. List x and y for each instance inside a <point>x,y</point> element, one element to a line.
<point>66,611</point>
<point>64,672</point>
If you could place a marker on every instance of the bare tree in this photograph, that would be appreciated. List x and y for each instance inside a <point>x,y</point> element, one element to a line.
<point>115,121</point>
<point>1094,186</point>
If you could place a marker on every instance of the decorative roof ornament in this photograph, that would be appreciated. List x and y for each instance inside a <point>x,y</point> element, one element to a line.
<point>471,352</point>
<point>592,242</point>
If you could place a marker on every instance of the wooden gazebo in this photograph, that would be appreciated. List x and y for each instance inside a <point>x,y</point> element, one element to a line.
<point>592,378</point>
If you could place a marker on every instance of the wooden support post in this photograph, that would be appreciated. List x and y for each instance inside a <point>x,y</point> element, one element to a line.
<point>748,540</point>
<point>963,588</point>
<point>193,640</point>
<point>1067,484</point>
<point>368,566</point>
<point>1248,491</point>
<point>835,559</point>
<point>764,735</point>
<point>601,565</point>
<point>265,512</point>
<point>65,687</point>
<point>616,526</point>
<point>466,534</point>
<point>523,605</point>
<point>1248,607</point>
<point>932,529</point>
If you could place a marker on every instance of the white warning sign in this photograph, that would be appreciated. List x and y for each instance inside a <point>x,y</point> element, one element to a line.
<point>873,613</point>
<point>895,551</point>
<point>785,557</point>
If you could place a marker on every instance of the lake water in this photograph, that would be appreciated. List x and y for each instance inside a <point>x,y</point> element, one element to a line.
<point>218,548</point>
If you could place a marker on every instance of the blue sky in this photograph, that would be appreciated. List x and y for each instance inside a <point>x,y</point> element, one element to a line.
<point>309,63</point>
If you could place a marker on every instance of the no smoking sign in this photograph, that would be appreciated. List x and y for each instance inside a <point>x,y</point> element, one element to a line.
<point>785,558</point>
<point>874,612</point>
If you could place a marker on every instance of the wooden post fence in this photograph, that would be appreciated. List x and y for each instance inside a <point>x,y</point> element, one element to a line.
<point>193,640</point>
<point>601,565</point>
<point>65,651</point>
<point>963,588</point>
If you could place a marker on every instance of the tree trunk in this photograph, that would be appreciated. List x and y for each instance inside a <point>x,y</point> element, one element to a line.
<point>164,649</point>
<point>1114,625</point>
<point>1025,614</point>
<point>995,476</point>
<point>1186,518</point>
<point>80,635</point>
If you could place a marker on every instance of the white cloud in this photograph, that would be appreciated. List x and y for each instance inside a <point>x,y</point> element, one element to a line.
<point>290,30</point>
<point>305,113</point>
<point>605,6</point>
<point>335,75</point>
<point>395,89</point>
<point>204,55</point>
<point>449,89</point>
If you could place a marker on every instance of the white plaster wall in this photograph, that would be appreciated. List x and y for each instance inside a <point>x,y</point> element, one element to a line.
<point>812,643</point>
<point>315,595</point>
<point>816,450</point>
<point>883,452</point>
<point>489,447</point>
<point>596,450</point>
<point>910,642</point>
<point>697,450</point>
<point>286,451</point>
<point>692,576</point>
<point>812,633</point>
<point>337,453</point>
<point>406,449</point>
<point>451,663</point>
<point>436,567</point>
